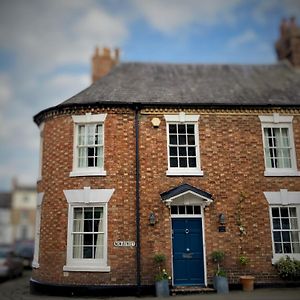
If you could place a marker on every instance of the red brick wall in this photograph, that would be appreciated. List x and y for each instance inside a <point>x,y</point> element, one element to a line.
<point>233,163</point>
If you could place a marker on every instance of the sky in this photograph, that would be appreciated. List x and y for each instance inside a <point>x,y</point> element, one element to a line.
<point>46,48</point>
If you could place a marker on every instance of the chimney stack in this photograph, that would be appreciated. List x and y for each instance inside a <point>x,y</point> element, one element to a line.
<point>103,62</point>
<point>288,44</point>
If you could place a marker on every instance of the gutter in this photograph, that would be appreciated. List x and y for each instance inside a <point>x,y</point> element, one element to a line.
<point>137,199</point>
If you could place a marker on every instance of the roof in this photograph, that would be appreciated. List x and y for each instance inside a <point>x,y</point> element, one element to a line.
<point>5,200</point>
<point>193,84</point>
<point>182,189</point>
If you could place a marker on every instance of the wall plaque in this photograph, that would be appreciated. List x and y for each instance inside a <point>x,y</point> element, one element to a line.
<point>124,243</point>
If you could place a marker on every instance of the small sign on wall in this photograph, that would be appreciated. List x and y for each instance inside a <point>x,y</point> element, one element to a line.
<point>124,243</point>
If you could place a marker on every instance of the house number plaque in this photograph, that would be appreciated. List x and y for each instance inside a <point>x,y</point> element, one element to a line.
<point>124,243</point>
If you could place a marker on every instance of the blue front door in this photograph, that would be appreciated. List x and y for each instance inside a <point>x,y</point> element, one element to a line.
<point>188,265</point>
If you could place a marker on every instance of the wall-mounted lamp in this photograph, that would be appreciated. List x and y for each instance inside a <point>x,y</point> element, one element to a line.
<point>222,222</point>
<point>152,219</point>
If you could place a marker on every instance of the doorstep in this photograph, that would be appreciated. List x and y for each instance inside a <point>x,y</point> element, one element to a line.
<point>184,290</point>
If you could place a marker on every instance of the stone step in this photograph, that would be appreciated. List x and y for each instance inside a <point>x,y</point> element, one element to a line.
<point>183,290</point>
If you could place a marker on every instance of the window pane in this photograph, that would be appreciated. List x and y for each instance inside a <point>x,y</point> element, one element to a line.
<point>190,129</point>
<point>172,128</point>
<point>197,210</point>
<point>284,212</point>
<point>276,223</point>
<point>88,212</point>
<point>278,248</point>
<point>275,212</point>
<point>189,209</point>
<point>173,151</point>
<point>285,223</point>
<point>173,139</point>
<point>181,209</point>
<point>286,236</point>
<point>287,248</point>
<point>87,252</point>
<point>191,139</point>
<point>293,212</point>
<point>182,140</point>
<point>181,129</point>
<point>191,151</point>
<point>294,223</point>
<point>182,162</point>
<point>296,248</point>
<point>295,236</point>
<point>277,236</point>
<point>77,213</point>
<point>173,162</point>
<point>192,162</point>
<point>182,151</point>
<point>174,209</point>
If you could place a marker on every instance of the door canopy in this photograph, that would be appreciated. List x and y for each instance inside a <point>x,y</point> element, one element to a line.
<point>186,194</point>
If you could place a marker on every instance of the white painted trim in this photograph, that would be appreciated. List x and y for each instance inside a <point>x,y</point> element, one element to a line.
<point>283,197</point>
<point>182,118</point>
<point>41,127</point>
<point>277,121</point>
<point>201,217</point>
<point>89,118</point>
<point>276,118</point>
<point>86,197</point>
<point>95,268</point>
<point>184,172</point>
<point>198,199</point>
<point>88,172</point>
<point>38,217</point>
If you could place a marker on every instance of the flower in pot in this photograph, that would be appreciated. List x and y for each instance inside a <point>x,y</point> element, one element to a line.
<point>247,281</point>
<point>161,277</point>
<point>220,279</point>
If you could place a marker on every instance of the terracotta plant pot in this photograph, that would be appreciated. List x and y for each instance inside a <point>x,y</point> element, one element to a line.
<point>247,283</point>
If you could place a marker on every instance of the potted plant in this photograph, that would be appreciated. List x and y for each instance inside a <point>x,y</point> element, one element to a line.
<point>247,281</point>
<point>220,280</point>
<point>161,277</point>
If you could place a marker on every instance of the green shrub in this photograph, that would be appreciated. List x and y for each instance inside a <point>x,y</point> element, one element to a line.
<point>288,268</point>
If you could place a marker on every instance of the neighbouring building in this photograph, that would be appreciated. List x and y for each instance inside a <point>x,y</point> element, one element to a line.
<point>5,220</point>
<point>180,159</point>
<point>23,207</point>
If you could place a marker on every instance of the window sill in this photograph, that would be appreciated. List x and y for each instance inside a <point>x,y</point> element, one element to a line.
<point>184,172</point>
<point>78,173</point>
<point>269,173</point>
<point>277,257</point>
<point>72,268</point>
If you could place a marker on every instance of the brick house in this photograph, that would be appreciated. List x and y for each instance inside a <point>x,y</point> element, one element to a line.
<point>175,159</point>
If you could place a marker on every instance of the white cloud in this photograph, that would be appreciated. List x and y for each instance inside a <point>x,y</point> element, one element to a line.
<point>6,90</point>
<point>245,38</point>
<point>169,15</point>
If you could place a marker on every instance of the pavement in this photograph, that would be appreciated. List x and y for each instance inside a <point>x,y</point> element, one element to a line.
<point>18,289</point>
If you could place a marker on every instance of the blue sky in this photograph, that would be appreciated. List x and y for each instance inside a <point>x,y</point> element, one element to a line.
<point>46,47</point>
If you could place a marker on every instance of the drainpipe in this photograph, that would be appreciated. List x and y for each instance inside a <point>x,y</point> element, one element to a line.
<point>137,203</point>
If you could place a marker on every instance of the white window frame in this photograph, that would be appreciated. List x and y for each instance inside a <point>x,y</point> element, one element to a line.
<point>183,118</point>
<point>41,127</point>
<point>88,118</point>
<point>87,197</point>
<point>35,261</point>
<point>283,198</point>
<point>277,121</point>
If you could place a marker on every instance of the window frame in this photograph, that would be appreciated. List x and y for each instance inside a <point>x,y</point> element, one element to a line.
<point>87,119</point>
<point>87,197</point>
<point>185,119</point>
<point>282,198</point>
<point>277,256</point>
<point>277,121</point>
<point>37,234</point>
